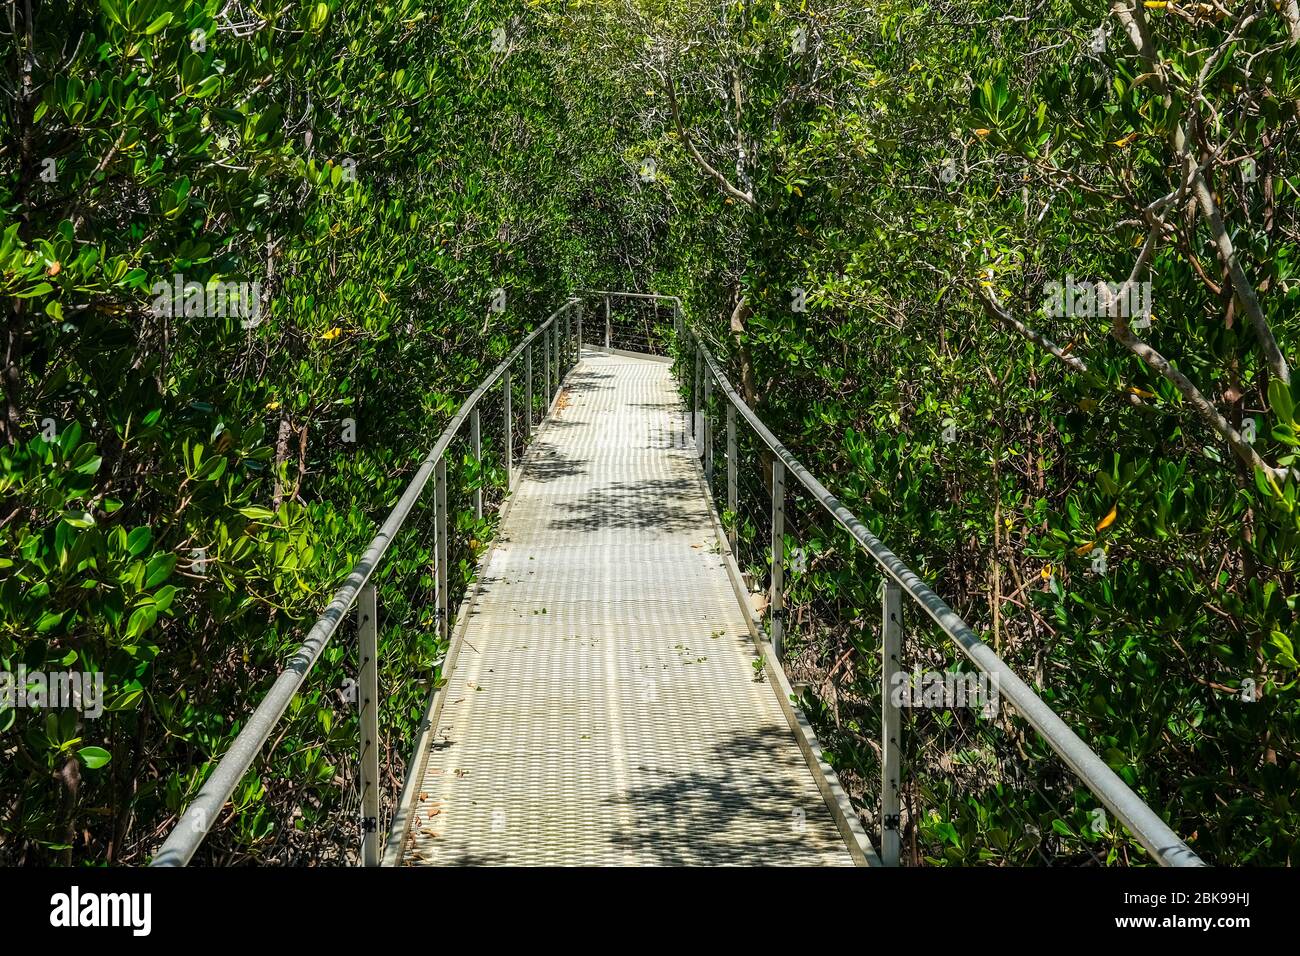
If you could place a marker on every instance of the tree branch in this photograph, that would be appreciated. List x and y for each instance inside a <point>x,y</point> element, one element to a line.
<point>1001,315</point>
<point>703,163</point>
<point>1134,22</point>
<point>1191,394</point>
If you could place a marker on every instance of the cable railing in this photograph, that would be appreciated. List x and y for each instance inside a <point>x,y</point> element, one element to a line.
<point>712,397</point>
<point>634,329</point>
<point>557,339</point>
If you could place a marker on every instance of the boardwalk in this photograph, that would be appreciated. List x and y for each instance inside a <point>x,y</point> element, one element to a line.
<point>602,707</point>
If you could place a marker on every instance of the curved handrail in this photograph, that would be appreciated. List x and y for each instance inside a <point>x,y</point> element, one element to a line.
<point>1143,822</point>
<point>198,818</point>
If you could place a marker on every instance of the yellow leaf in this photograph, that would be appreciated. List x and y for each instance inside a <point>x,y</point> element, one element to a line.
<point>1046,573</point>
<point>1107,521</point>
<point>1125,140</point>
<point>1155,4</point>
<point>1141,392</point>
<point>272,406</point>
<point>981,133</point>
<point>332,334</point>
<point>1085,548</point>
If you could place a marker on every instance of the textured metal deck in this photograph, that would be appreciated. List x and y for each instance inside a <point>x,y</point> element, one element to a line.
<point>603,707</point>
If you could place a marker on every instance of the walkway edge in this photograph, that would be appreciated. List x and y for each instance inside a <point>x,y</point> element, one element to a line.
<point>401,824</point>
<point>828,782</point>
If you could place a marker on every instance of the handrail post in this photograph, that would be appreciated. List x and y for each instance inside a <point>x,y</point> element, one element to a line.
<point>568,338</point>
<point>559,355</point>
<point>508,449</point>
<point>607,322</point>
<point>546,354</point>
<point>476,449</point>
<point>708,432</point>
<point>440,533</point>
<point>891,652</point>
<point>528,393</point>
<point>577,345</point>
<point>695,397</point>
<point>368,705</point>
<point>732,473</point>
<point>776,606</point>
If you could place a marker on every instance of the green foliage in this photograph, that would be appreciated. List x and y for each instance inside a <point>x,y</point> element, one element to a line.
<point>909,163</point>
<point>186,479</point>
<point>180,497</point>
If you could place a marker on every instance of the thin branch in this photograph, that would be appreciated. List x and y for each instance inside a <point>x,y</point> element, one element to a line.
<point>1191,394</point>
<point>1134,22</point>
<point>721,180</point>
<point>1001,315</point>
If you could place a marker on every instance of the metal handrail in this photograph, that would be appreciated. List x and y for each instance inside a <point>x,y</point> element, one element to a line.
<point>199,817</point>
<point>1143,822</point>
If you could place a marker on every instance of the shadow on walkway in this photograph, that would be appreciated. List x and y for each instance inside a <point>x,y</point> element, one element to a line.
<point>737,810</point>
<point>643,505</point>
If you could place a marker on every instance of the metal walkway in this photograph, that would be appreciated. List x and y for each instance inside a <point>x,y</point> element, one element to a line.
<point>602,706</point>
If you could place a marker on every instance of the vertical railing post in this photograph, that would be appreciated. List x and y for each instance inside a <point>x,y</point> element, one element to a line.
<point>476,449</point>
<point>546,354</point>
<point>708,431</point>
<point>557,361</point>
<point>440,544</point>
<point>776,604</point>
<point>558,353</point>
<point>368,705</point>
<point>508,448</point>
<point>607,322</point>
<point>733,474</point>
<point>695,397</point>
<point>891,652</point>
<point>577,343</point>
<point>528,391</point>
<point>568,338</point>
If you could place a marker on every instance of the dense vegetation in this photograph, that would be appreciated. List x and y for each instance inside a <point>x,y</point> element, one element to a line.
<point>1113,502</point>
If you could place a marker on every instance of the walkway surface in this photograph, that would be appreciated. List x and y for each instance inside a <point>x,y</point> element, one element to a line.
<point>603,707</point>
